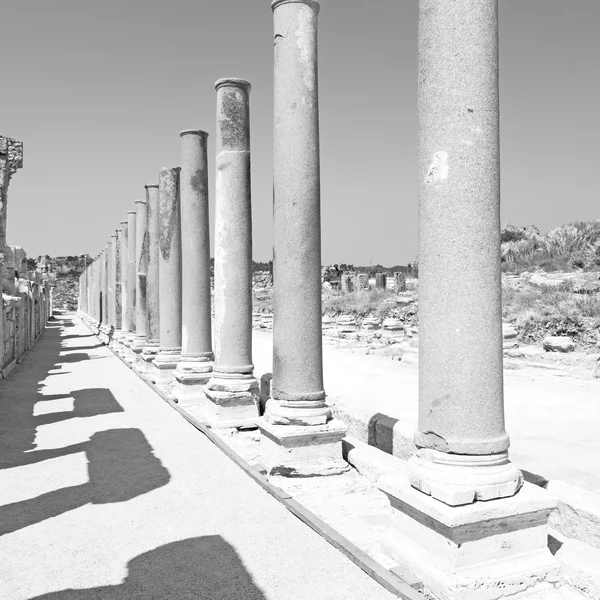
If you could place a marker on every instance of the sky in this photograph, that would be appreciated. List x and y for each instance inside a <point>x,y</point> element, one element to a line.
<point>98,91</point>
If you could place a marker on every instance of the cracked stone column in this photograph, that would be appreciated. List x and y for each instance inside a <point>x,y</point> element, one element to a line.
<point>141,262</point>
<point>462,444</point>
<point>169,272</point>
<point>233,390</point>
<point>298,434</point>
<point>195,368</point>
<point>129,355</point>
<point>151,347</point>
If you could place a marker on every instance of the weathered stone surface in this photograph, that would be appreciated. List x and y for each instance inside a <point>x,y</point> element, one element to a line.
<point>196,352</point>
<point>233,257</point>
<point>169,271</point>
<point>558,343</point>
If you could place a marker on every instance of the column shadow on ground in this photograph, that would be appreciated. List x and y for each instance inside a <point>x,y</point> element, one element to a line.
<point>121,462</point>
<point>121,466</point>
<point>206,568</point>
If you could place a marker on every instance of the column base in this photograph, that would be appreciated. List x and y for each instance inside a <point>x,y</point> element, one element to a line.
<point>127,353</point>
<point>146,367</point>
<point>457,479</point>
<point>302,451</point>
<point>232,400</point>
<point>192,374</point>
<point>137,347</point>
<point>480,551</point>
<point>164,366</point>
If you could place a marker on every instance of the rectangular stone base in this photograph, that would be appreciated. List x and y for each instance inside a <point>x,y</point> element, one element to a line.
<point>480,551</point>
<point>300,451</point>
<point>230,409</point>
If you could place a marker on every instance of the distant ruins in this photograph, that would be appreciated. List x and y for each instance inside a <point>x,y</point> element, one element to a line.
<point>26,295</point>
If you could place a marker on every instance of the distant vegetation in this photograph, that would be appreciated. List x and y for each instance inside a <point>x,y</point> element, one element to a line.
<point>565,248</point>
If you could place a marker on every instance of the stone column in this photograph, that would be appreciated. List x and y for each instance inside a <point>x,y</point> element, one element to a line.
<point>115,287</point>
<point>121,334</point>
<point>298,434</point>
<point>102,296</point>
<point>141,261</point>
<point>151,347</point>
<point>461,440</point>
<point>169,272</point>
<point>107,333</point>
<point>195,368</point>
<point>233,391</point>
<point>128,354</point>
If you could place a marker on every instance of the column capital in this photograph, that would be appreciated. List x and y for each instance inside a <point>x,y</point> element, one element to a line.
<point>314,4</point>
<point>199,132</point>
<point>233,82</point>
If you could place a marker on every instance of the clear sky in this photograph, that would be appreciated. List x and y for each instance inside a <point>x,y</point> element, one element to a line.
<point>99,90</point>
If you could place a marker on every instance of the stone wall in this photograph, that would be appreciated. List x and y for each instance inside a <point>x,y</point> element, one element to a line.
<point>26,295</point>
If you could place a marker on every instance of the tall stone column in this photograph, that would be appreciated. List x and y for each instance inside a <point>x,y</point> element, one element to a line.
<point>151,347</point>
<point>461,439</point>
<point>123,330</point>
<point>233,390</point>
<point>195,367</point>
<point>141,262</point>
<point>128,354</point>
<point>103,318</point>
<point>169,273</point>
<point>107,294</point>
<point>115,287</point>
<point>298,433</point>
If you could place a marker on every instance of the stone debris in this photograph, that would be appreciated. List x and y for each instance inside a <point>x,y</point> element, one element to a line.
<point>558,343</point>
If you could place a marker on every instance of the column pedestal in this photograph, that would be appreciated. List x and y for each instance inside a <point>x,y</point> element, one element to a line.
<point>163,370</point>
<point>146,365</point>
<point>137,347</point>
<point>192,374</point>
<point>485,550</point>
<point>232,400</point>
<point>128,354</point>
<point>300,451</point>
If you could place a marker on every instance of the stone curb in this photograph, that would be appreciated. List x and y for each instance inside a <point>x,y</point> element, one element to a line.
<point>390,578</point>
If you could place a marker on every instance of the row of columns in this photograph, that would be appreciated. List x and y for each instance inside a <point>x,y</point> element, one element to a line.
<point>163,274</point>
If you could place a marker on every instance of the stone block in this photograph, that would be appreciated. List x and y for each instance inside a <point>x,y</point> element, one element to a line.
<point>302,451</point>
<point>484,550</point>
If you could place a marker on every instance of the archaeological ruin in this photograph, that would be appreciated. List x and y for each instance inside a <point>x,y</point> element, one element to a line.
<point>462,518</point>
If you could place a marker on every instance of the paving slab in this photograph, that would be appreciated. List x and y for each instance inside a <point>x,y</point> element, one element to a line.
<point>107,492</point>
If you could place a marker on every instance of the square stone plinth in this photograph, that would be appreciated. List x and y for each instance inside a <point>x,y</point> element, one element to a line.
<point>301,451</point>
<point>225,409</point>
<point>481,551</point>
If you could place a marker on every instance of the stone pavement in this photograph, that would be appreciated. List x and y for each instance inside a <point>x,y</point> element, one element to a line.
<point>106,492</point>
<point>552,419</point>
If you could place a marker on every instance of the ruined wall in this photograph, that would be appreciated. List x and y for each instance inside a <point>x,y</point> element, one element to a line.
<point>26,295</point>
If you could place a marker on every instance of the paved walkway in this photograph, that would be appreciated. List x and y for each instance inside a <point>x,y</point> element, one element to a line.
<point>106,492</point>
<point>552,419</point>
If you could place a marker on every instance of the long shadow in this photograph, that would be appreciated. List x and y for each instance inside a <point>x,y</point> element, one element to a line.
<point>121,462</point>
<point>121,466</point>
<point>206,568</point>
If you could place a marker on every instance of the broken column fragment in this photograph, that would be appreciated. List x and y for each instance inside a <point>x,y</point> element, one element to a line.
<point>195,367</point>
<point>169,273</point>
<point>298,434</point>
<point>233,390</point>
